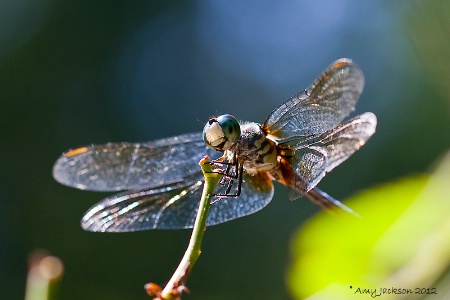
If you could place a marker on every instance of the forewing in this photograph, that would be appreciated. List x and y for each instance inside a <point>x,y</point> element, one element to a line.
<point>322,106</point>
<point>316,155</point>
<point>174,206</point>
<point>132,166</point>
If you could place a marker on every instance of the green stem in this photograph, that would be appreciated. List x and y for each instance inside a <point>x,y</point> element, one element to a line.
<point>175,286</point>
<point>44,276</point>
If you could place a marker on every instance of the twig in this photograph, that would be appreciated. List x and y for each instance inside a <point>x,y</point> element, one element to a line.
<point>176,285</point>
<point>44,275</point>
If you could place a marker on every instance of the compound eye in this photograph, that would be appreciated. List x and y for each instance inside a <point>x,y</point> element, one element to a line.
<point>230,127</point>
<point>222,132</point>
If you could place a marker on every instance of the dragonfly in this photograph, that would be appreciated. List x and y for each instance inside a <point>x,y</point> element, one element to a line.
<point>159,183</point>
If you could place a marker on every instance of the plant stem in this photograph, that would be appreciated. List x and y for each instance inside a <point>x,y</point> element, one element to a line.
<point>175,286</point>
<point>44,276</point>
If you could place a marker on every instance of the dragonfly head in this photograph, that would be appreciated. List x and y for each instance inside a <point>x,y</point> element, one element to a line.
<point>222,132</point>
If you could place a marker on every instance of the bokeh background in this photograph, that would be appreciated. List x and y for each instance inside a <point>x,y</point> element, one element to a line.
<point>80,72</point>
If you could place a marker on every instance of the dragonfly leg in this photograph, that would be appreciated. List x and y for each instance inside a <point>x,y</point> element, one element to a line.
<point>231,170</point>
<point>230,185</point>
<point>228,177</point>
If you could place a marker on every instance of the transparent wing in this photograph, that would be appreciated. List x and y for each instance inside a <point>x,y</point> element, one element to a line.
<point>132,166</point>
<point>174,206</point>
<point>316,155</point>
<point>322,106</point>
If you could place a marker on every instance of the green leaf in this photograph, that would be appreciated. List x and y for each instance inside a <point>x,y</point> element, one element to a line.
<point>401,241</point>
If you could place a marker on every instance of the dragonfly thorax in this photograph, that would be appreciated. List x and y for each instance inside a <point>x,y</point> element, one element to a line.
<point>254,150</point>
<point>246,142</point>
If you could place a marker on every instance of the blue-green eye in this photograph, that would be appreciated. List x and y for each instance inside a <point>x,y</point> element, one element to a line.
<point>222,132</point>
<point>230,127</point>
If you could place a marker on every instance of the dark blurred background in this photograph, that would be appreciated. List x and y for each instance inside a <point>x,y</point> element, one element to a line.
<point>80,72</point>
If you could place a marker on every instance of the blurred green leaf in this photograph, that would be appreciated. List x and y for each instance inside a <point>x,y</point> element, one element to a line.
<point>401,242</point>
